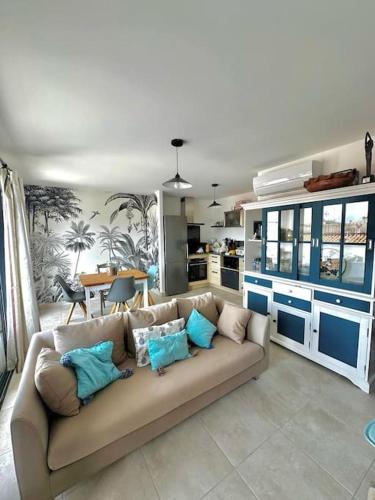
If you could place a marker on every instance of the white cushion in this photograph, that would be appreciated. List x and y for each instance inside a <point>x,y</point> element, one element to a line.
<point>142,335</point>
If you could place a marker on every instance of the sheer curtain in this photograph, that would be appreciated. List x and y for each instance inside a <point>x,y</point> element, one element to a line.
<point>22,313</point>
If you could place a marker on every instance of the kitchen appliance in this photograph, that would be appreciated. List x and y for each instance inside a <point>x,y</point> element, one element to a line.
<point>175,250</point>
<point>193,238</point>
<point>231,262</point>
<point>274,181</point>
<point>230,275</point>
<point>233,218</point>
<point>197,269</point>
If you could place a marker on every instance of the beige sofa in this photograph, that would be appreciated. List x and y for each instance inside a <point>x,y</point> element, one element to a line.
<point>52,453</point>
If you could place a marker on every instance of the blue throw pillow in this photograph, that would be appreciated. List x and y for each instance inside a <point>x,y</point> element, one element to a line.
<point>164,351</point>
<point>200,330</point>
<point>93,368</point>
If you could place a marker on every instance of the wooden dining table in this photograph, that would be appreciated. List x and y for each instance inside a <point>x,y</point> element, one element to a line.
<point>103,281</point>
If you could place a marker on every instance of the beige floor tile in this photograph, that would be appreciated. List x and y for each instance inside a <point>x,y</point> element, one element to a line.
<point>347,403</point>
<point>335,446</point>
<point>276,401</point>
<point>11,391</point>
<point>237,425</point>
<point>128,478</point>
<point>230,488</point>
<point>278,470</point>
<point>5,439</point>
<point>368,481</point>
<point>185,462</point>
<point>8,481</point>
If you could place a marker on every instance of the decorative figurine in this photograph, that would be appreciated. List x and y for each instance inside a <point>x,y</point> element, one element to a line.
<point>369,144</point>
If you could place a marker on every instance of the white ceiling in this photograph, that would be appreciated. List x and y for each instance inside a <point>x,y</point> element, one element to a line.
<point>92,91</point>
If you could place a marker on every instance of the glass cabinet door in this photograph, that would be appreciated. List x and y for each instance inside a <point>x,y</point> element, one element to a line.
<point>279,241</point>
<point>345,246</point>
<point>304,241</point>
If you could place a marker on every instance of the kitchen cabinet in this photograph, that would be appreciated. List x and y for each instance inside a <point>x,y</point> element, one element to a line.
<point>316,277</point>
<point>214,269</point>
<point>257,298</point>
<point>291,326</point>
<point>340,340</point>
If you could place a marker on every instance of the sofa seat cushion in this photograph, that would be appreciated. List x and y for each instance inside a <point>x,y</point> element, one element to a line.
<point>128,405</point>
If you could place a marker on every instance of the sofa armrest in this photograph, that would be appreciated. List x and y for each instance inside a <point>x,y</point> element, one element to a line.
<point>258,331</point>
<point>30,429</point>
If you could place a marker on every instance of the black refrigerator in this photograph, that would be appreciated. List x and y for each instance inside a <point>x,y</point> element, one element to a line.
<point>176,254</point>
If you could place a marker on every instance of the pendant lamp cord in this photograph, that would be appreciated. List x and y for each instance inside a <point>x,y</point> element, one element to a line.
<point>177,158</point>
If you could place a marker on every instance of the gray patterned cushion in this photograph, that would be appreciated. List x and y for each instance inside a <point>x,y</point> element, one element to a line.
<point>141,336</point>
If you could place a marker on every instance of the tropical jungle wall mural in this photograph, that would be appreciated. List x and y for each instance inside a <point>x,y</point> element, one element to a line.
<point>73,231</point>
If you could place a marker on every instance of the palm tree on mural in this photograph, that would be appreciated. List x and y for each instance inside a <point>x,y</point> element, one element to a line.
<point>52,203</point>
<point>79,239</point>
<point>140,202</point>
<point>109,240</point>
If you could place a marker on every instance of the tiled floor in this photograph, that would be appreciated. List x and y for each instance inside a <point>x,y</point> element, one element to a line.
<point>296,434</point>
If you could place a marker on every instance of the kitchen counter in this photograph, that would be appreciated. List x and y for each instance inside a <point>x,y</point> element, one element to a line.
<point>197,255</point>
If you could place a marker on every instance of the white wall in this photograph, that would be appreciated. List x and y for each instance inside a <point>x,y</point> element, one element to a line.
<point>350,155</point>
<point>212,215</point>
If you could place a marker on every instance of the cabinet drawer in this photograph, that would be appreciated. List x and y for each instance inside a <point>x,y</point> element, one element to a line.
<point>215,259</point>
<point>342,301</point>
<point>304,305</point>
<point>215,276</point>
<point>293,291</point>
<point>258,281</point>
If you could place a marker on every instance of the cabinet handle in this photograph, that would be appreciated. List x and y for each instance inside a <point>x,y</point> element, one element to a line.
<point>214,272</point>
<point>255,281</point>
<point>370,244</point>
<point>338,301</point>
<point>315,331</point>
<point>295,242</point>
<point>274,320</point>
<point>313,242</point>
<point>289,301</point>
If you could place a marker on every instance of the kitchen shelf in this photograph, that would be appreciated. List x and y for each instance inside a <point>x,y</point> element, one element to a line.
<point>217,226</point>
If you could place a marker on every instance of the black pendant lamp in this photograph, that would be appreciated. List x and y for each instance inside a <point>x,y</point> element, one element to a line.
<point>177,182</point>
<point>214,203</point>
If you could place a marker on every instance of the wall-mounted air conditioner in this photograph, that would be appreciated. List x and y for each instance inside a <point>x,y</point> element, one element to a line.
<point>275,181</point>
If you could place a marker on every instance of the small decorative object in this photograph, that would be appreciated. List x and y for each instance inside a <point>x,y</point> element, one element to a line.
<point>333,181</point>
<point>207,247</point>
<point>369,144</point>
<point>214,203</point>
<point>200,250</point>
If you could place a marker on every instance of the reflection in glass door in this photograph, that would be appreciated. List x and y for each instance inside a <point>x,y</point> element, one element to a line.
<point>330,250</point>
<point>279,241</point>
<point>355,240</point>
<point>272,232</point>
<point>286,240</point>
<point>304,241</point>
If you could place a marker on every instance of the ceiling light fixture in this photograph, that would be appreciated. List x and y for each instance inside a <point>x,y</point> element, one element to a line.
<point>214,203</point>
<point>177,182</point>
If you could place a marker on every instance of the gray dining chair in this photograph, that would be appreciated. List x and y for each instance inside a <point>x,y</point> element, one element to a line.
<point>73,297</point>
<point>122,289</point>
<point>102,268</point>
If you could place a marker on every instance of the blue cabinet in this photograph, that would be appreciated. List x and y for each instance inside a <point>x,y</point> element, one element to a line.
<point>258,302</point>
<point>326,242</point>
<point>291,327</point>
<point>257,298</point>
<point>340,340</point>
